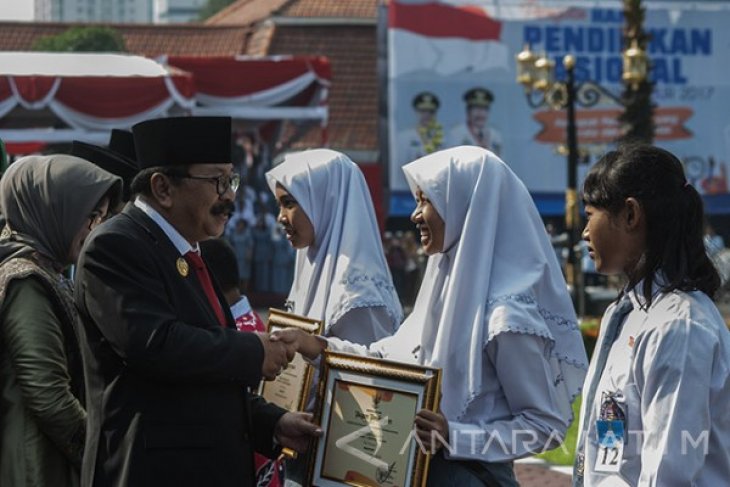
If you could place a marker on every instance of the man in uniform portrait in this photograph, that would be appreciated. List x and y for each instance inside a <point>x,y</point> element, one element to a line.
<point>428,135</point>
<point>476,131</point>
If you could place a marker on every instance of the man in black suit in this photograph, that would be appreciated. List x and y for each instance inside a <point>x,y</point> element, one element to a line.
<point>166,371</point>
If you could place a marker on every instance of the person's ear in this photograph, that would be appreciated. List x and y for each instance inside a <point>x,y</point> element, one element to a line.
<point>162,189</point>
<point>633,214</point>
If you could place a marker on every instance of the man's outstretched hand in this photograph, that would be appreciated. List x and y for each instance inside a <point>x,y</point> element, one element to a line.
<point>311,346</point>
<point>295,430</point>
<point>277,355</point>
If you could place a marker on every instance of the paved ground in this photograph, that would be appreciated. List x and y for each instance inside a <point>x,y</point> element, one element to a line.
<point>540,475</point>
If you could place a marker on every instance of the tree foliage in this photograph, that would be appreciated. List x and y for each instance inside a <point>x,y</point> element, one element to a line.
<point>82,39</point>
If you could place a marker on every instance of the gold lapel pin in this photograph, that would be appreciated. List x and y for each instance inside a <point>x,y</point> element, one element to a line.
<point>182,267</point>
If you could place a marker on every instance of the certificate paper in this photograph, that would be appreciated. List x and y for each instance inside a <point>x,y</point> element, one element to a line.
<point>287,390</point>
<point>367,432</point>
<point>291,388</point>
<point>367,408</point>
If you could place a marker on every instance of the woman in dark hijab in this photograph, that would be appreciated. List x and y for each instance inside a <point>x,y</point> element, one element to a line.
<point>50,204</point>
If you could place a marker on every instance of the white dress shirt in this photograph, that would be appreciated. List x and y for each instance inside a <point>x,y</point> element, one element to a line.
<point>182,245</point>
<point>669,371</point>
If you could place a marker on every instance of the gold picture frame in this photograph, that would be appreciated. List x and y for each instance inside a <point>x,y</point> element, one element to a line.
<point>290,389</point>
<point>367,410</point>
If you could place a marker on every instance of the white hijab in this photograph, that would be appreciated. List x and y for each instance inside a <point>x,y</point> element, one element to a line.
<point>345,269</point>
<point>498,274</point>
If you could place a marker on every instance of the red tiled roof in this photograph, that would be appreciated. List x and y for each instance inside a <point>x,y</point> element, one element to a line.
<point>143,39</point>
<point>356,9</point>
<point>260,40</point>
<point>245,12</point>
<point>353,100</point>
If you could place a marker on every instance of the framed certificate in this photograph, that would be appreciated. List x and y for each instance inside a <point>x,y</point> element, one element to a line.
<point>291,388</point>
<point>367,411</point>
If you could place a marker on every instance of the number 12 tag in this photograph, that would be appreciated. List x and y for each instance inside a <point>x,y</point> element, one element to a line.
<point>610,445</point>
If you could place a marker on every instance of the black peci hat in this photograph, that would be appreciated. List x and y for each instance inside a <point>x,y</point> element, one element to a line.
<point>183,140</point>
<point>426,101</point>
<point>107,160</point>
<point>478,97</point>
<point>122,142</point>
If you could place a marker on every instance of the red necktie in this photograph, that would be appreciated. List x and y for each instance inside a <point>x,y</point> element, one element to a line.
<point>197,262</point>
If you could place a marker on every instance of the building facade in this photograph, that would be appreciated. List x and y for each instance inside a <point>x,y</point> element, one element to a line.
<point>118,11</point>
<point>177,11</point>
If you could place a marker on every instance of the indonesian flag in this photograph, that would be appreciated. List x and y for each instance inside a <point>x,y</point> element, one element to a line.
<point>443,38</point>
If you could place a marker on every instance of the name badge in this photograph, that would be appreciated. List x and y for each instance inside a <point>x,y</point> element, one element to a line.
<point>610,445</point>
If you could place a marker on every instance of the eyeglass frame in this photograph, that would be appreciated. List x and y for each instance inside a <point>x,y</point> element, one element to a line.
<point>234,181</point>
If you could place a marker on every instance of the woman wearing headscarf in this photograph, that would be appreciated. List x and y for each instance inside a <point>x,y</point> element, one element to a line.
<point>50,204</point>
<point>340,275</point>
<point>493,313</point>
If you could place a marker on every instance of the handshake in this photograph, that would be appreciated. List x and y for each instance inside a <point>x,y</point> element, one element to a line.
<point>293,430</point>
<point>282,345</point>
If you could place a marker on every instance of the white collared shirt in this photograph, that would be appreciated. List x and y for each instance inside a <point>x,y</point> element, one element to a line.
<point>669,372</point>
<point>182,245</point>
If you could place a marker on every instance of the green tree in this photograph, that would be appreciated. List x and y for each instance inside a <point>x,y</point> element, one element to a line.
<point>82,39</point>
<point>212,7</point>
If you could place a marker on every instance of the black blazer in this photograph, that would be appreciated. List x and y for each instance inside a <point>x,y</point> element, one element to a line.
<point>166,384</point>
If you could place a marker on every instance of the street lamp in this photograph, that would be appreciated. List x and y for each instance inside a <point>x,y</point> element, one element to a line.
<point>536,74</point>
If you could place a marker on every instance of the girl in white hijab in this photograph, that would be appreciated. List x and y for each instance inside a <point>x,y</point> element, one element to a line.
<point>341,275</point>
<point>493,313</point>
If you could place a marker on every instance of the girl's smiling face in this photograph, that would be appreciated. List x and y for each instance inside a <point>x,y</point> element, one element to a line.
<point>430,224</point>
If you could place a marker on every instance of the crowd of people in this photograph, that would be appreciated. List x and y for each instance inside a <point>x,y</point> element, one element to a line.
<point>142,368</point>
<point>265,258</point>
<point>407,263</point>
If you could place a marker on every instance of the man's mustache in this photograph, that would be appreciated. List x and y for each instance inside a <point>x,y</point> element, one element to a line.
<point>225,208</point>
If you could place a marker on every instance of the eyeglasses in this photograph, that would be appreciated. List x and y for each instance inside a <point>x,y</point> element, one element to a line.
<point>96,218</point>
<point>222,183</point>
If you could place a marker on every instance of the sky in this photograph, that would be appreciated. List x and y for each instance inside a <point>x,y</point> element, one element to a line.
<point>16,9</point>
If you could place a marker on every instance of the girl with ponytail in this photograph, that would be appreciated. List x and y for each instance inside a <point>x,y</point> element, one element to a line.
<point>655,399</point>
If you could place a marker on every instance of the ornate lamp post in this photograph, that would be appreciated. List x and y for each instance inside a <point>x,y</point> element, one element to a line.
<point>637,119</point>
<point>536,74</point>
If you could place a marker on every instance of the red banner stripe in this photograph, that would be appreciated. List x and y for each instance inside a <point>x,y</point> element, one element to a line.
<point>32,89</point>
<point>112,97</point>
<point>230,77</point>
<point>5,91</point>
<point>601,126</point>
<point>440,20</point>
<point>23,148</point>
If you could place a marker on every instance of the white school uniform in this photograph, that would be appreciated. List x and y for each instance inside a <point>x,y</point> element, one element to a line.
<point>669,372</point>
<point>493,312</point>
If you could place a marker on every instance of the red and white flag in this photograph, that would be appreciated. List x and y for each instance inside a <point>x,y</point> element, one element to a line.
<point>443,38</point>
